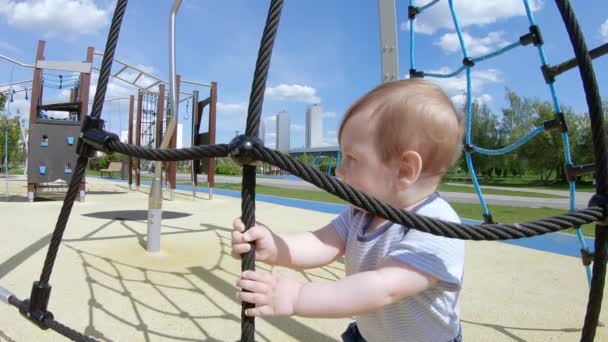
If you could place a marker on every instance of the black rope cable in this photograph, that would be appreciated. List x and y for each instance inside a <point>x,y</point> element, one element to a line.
<point>254,114</point>
<point>594,102</point>
<point>334,186</point>
<point>377,207</point>
<point>35,308</point>
<point>108,58</point>
<point>81,165</point>
<point>62,221</point>
<point>196,152</point>
<point>55,325</point>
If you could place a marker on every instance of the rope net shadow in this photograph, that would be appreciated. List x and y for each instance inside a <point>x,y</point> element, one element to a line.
<point>247,149</point>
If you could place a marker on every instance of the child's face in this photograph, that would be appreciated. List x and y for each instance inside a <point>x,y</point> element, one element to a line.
<point>361,166</point>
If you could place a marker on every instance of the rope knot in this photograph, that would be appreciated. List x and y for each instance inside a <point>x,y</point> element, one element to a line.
<point>241,149</point>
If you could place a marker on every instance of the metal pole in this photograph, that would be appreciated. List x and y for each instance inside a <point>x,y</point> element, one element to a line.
<point>155,211</point>
<point>389,54</point>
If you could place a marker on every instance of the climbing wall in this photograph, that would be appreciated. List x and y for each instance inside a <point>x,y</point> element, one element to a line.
<point>52,154</point>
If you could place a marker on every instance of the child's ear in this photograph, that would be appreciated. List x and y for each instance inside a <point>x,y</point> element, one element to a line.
<point>410,166</point>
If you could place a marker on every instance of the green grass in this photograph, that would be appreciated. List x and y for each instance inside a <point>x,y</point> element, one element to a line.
<point>531,181</point>
<point>467,189</point>
<point>509,214</point>
<point>500,213</point>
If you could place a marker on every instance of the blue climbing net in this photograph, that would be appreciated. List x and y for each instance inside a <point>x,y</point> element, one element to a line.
<point>532,37</point>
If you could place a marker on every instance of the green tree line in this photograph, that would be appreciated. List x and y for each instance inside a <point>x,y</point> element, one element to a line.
<point>543,155</point>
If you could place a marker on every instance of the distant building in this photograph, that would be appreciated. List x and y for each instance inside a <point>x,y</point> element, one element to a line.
<point>283,136</point>
<point>314,126</point>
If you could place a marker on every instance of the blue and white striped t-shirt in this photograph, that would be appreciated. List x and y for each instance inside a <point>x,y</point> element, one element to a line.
<point>432,315</point>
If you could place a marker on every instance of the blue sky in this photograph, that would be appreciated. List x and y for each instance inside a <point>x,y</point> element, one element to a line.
<point>326,52</point>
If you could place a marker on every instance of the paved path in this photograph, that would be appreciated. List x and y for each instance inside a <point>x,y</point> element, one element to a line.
<point>582,198</point>
<point>106,285</point>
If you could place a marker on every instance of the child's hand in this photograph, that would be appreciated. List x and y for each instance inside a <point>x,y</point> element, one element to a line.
<point>273,294</point>
<point>265,247</point>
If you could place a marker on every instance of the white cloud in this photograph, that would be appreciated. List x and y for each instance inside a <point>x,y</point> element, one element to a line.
<point>297,128</point>
<point>9,47</point>
<point>330,141</point>
<point>237,108</point>
<point>458,85</point>
<point>293,92</point>
<point>604,30</point>
<point>450,43</point>
<point>329,114</point>
<point>460,100</point>
<point>56,18</point>
<point>469,12</point>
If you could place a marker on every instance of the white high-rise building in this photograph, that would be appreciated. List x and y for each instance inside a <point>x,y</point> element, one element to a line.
<point>262,132</point>
<point>314,126</point>
<point>283,135</point>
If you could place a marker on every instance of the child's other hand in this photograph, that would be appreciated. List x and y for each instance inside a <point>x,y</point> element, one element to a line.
<point>272,293</point>
<point>265,247</point>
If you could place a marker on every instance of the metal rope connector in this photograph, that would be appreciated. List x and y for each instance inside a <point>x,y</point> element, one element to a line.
<point>241,149</point>
<point>93,138</point>
<point>35,307</point>
<point>600,200</point>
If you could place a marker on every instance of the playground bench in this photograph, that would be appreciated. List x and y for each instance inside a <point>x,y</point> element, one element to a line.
<point>113,167</point>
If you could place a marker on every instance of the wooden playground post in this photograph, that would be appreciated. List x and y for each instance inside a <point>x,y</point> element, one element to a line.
<point>34,101</point>
<point>195,125</point>
<point>212,111</point>
<point>85,82</point>
<point>172,165</point>
<point>160,112</point>
<point>130,138</point>
<point>138,139</point>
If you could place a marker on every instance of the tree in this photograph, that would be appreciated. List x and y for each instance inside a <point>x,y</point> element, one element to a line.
<point>484,134</point>
<point>2,101</point>
<point>15,154</point>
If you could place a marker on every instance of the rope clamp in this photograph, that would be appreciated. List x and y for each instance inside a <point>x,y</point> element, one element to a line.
<point>93,138</point>
<point>412,11</point>
<point>600,200</point>
<point>241,149</point>
<point>533,37</point>
<point>416,73</point>
<point>34,309</point>
<point>586,257</point>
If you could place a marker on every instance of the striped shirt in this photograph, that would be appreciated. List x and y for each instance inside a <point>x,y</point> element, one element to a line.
<point>432,315</point>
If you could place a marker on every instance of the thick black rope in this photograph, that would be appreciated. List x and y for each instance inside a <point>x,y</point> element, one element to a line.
<point>192,153</point>
<point>248,259</point>
<point>423,223</point>
<point>256,99</point>
<point>594,102</point>
<point>62,221</point>
<point>108,57</point>
<point>375,206</point>
<point>254,113</point>
<point>81,165</point>
<point>56,326</point>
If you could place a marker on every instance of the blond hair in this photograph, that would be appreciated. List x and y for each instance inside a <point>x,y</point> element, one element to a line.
<point>413,114</point>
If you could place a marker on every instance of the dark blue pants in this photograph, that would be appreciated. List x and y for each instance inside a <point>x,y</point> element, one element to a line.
<point>352,334</point>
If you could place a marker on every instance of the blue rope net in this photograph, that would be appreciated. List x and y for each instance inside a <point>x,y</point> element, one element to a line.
<point>468,62</point>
